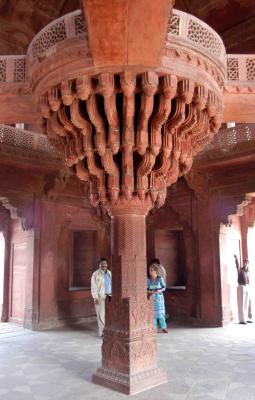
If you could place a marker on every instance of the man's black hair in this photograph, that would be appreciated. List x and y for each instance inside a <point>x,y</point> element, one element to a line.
<point>155,261</point>
<point>102,259</point>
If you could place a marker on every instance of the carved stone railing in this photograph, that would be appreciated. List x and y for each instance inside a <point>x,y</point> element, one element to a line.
<point>181,25</point>
<point>69,26</point>
<point>12,69</point>
<point>23,139</point>
<point>241,68</point>
<point>233,136</point>
<point>230,141</point>
<point>196,32</point>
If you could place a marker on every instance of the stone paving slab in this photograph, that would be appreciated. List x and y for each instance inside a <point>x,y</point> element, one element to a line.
<point>202,364</point>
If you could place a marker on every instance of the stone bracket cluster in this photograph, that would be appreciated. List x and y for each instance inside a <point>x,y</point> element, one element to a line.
<point>130,134</point>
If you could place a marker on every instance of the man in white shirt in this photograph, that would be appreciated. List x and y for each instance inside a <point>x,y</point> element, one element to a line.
<point>101,288</point>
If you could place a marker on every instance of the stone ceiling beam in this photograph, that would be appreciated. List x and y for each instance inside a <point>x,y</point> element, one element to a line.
<point>127,32</point>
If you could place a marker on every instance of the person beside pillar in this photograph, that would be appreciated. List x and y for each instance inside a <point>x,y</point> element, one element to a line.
<point>101,289</point>
<point>161,269</point>
<point>156,286</point>
<point>243,292</point>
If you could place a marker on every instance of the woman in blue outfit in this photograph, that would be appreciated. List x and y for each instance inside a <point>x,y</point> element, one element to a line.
<point>156,286</point>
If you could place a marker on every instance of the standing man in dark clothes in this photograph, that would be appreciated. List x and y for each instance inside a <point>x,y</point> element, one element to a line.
<point>243,292</point>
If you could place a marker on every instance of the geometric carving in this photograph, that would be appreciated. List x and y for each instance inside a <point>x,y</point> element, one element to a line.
<point>173,26</point>
<point>232,68</point>
<point>26,140</point>
<point>250,67</point>
<point>227,142</point>
<point>54,33</point>
<point>3,70</point>
<point>13,69</point>
<point>203,36</point>
<point>190,28</point>
<point>19,70</point>
<point>66,27</point>
<point>79,25</point>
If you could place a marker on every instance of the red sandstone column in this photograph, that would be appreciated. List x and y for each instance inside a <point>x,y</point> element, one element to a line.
<point>210,284</point>
<point>244,234</point>
<point>129,362</point>
<point>28,311</point>
<point>6,283</point>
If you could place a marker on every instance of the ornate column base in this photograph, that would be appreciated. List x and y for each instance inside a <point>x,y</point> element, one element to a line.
<point>130,384</point>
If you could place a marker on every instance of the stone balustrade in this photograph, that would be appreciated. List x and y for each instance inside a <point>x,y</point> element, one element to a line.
<point>192,49</point>
<point>241,68</point>
<point>242,133</point>
<point>229,141</point>
<point>69,26</point>
<point>24,139</point>
<point>181,25</point>
<point>197,33</point>
<point>12,69</point>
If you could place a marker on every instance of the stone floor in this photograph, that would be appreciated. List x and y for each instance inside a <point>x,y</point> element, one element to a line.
<point>202,364</point>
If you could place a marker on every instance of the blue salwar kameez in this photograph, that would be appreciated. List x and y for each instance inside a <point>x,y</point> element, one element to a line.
<point>158,301</point>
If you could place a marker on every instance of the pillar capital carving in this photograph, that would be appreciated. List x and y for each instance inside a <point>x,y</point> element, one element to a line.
<point>133,206</point>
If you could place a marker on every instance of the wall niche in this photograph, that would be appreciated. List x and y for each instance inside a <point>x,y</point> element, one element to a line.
<point>84,258</point>
<point>169,248</point>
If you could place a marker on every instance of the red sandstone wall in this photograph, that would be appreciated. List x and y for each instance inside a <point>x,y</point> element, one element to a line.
<point>59,305</point>
<point>21,265</point>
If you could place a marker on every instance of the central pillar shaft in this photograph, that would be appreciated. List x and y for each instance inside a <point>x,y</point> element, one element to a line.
<point>129,351</point>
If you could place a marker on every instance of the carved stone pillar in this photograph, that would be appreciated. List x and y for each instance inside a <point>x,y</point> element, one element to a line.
<point>209,264</point>
<point>244,234</point>
<point>129,362</point>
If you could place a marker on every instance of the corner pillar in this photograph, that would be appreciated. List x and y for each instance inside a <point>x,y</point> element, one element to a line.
<point>244,236</point>
<point>209,262</point>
